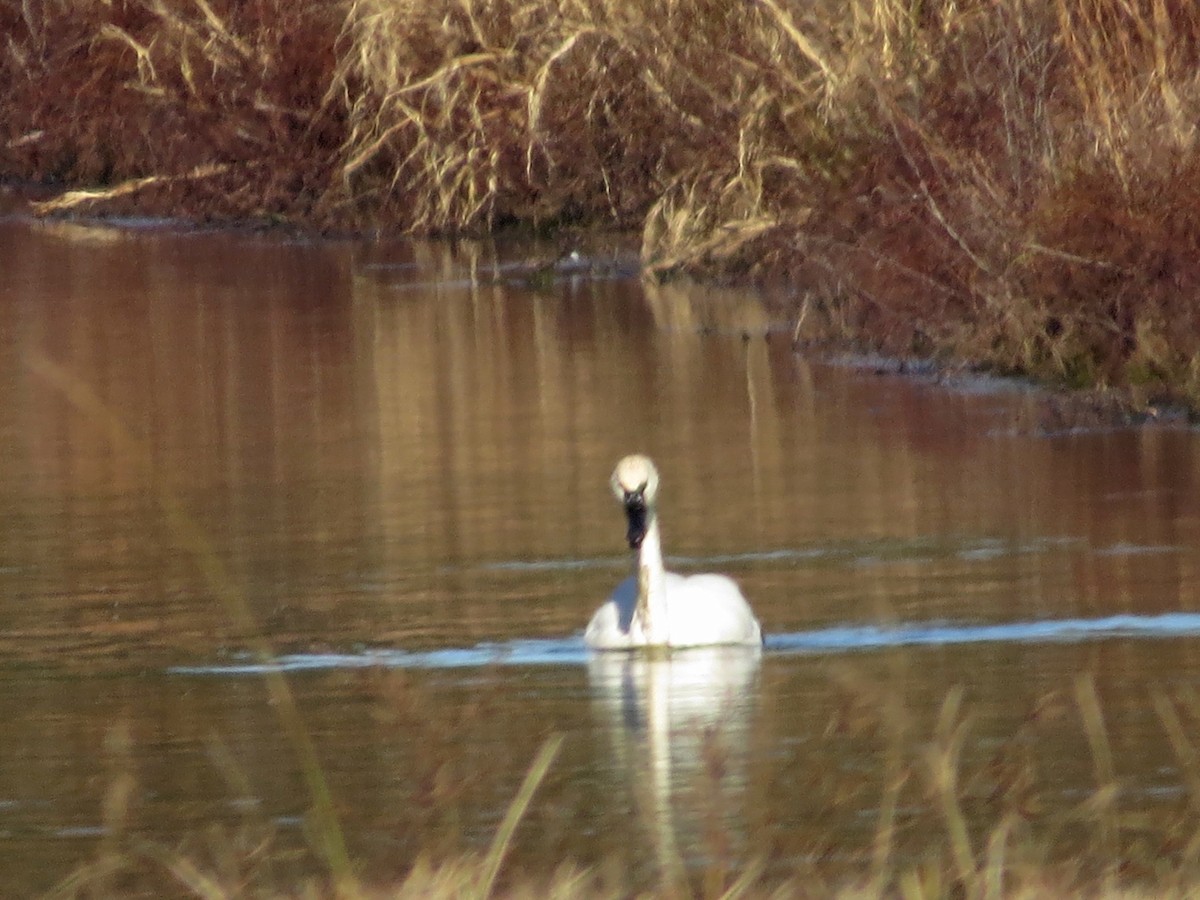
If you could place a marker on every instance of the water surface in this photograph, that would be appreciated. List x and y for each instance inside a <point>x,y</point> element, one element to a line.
<point>399,455</point>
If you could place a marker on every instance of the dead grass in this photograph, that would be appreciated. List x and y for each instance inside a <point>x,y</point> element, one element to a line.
<point>949,823</point>
<point>1013,184</point>
<point>211,111</point>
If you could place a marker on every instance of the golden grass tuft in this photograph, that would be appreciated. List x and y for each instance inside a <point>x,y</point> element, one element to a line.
<point>474,113</point>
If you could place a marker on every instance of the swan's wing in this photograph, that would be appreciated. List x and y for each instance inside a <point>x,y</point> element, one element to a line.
<point>710,609</point>
<point>612,627</point>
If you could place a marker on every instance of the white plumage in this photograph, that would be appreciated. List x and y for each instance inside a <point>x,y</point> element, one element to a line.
<point>657,608</point>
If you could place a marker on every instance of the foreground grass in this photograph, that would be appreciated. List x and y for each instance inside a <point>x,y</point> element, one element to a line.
<point>947,823</point>
<point>1011,183</point>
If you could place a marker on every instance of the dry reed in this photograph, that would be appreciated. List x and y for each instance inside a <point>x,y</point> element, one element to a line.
<point>951,823</point>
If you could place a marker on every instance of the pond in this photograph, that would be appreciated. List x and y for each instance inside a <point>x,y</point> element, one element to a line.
<point>387,464</point>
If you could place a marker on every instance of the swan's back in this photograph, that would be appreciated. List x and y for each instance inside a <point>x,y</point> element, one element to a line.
<point>702,610</point>
<point>710,609</point>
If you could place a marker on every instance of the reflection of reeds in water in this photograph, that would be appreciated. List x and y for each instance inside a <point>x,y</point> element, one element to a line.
<point>450,413</point>
<point>230,388</point>
<point>498,406</point>
<point>462,878</point>
<point>695,308</point>
<point>517,398</point>
<point>327,831</point>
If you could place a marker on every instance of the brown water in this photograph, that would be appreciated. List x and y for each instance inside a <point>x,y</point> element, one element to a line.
<point>400,456</point>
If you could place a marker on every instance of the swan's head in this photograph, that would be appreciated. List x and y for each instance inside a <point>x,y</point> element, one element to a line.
<point>635,484</point>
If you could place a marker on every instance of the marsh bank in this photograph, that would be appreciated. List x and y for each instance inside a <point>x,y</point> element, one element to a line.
<point>1008,184</point>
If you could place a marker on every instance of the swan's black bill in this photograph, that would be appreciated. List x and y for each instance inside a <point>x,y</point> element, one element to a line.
<point>635,511</point>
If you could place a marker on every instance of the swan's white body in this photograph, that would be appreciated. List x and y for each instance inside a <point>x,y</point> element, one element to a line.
<point>657,608</point>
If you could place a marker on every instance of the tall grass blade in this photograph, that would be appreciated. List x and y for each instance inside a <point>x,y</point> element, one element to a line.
<point>1185,751</point>
<point>327,829</point>
<point>1088,702</point>
<point>943,760</point>
<point>516,810</point>
<point>745,882</point>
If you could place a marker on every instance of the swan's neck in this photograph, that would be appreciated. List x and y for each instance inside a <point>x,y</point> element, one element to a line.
<point>652,586</point>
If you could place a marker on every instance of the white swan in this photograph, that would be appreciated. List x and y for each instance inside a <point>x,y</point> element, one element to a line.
<point>657,608</point>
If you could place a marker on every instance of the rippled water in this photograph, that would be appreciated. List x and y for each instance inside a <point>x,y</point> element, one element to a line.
<point>393,460</point>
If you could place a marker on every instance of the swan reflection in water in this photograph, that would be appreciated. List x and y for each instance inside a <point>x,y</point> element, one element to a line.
<point>679,721</point>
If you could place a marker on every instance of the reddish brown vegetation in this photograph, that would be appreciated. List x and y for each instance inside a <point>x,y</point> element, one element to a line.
<point>223,108</point>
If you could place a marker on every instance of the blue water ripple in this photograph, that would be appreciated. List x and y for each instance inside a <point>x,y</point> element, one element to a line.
<point>1042,631</point>
<point>571,651</point>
